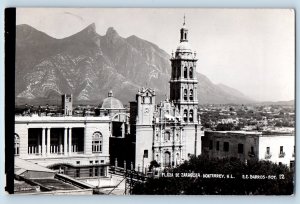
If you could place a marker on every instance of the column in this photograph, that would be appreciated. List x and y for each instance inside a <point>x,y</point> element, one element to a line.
<point>171,158</point>
<point>161,158</point>
<point>48,141</point>
<point>70,140</point>
<point>65,141</point>
<point>180,155</point>
<point>59,144</point>
<point>180,135</point>
<point>123,130</point>
<point>39,145</point>
<point>43,142</point>
<point>174,157</point>
<point>181,70</point>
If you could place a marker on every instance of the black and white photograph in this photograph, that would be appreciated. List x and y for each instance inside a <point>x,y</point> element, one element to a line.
<point>153,101</point>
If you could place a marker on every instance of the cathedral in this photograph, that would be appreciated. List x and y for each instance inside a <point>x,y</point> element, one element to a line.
<point>170,131</point>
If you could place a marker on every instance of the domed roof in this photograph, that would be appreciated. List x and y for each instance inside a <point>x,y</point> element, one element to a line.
<point>184,47</point>
<point>111,103</point>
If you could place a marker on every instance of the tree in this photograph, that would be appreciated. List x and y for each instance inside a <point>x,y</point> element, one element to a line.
<point>153,164</point>
<point>238,185</point>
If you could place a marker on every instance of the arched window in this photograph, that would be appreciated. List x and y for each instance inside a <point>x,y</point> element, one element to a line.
<point>167,159</point>
<point>167,135</point>
<point>97,142</point>
<point>191,95</point>
<point>185,94</point>
<point>185,112</point>
<point>191,73</point>
<point>17,144</point>
<point>191,115</point>
<point>185,72</point>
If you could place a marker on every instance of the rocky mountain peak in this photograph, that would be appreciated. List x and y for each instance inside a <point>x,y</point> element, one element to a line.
<point>111,32</point>
<point>89,65</point>
<point>91,28</point>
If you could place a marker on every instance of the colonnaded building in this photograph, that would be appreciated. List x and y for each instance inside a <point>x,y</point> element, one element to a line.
<point>77,146</point>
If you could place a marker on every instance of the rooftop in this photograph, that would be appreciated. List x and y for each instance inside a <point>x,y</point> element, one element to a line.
<point>111,103</point>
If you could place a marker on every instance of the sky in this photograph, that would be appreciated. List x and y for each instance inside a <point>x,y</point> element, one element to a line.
<point>251,50</point>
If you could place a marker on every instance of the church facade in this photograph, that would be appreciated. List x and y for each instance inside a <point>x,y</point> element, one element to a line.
<point>169,132</point>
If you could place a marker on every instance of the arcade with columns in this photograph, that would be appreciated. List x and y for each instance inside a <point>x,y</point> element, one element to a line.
<point>72,142</point>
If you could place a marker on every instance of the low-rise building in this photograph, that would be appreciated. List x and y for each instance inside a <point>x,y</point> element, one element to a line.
<point>277,147</point>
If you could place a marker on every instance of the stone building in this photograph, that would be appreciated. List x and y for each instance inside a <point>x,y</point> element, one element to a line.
<point>171,131</point>
<point>77,146</point>
<point>277,147</point>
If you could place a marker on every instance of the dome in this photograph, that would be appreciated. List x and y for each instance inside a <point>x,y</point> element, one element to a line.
<point>184,47</point>
<point>111,103</point>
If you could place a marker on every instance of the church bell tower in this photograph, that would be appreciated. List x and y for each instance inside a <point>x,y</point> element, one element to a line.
<point>183,82</point>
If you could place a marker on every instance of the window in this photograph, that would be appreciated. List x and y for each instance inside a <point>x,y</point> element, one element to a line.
<point>191,95</point>
<point>97,161</point>
<point>97,142</point>
<point>145,153</point>
<point>77,162</point>
<point>294,152</point>
<point>191,115</point>
<point>102,161</point>
<point>292,164</point>
<point>96,171</point>
<point>218,146</point>
<point>226,147</point>
<point>268,150</point>
<point>77,173</point>
<point>268,153</point>
<point>191,73</point>
<point>281,149</point>
<point>91,172</point>
<point>185,72</point>
<point>185,94</point>
<point>91,162</point>
<point>210,144</point>
<point>282,153</point>
<point>241,148</point>
<point>102,171</point>
<point>167,159</point>
<point>17,144</point>
<point>167,135</point>
<point>185,115</point>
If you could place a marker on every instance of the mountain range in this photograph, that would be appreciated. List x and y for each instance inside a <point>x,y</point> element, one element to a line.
<point>88,65</point>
